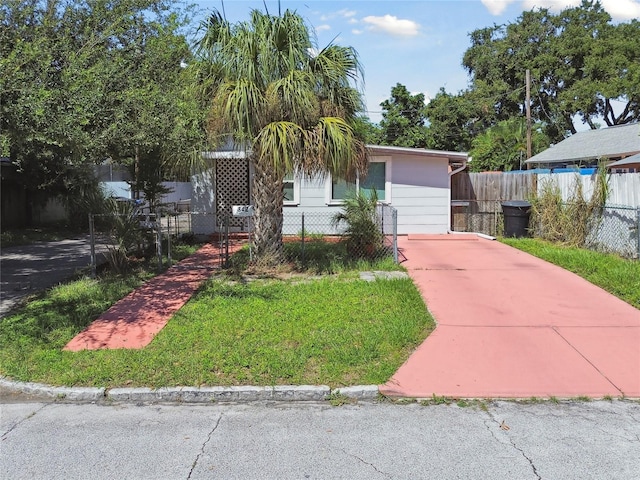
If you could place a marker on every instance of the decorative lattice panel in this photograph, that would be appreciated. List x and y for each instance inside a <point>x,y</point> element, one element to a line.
<point>232,187</point>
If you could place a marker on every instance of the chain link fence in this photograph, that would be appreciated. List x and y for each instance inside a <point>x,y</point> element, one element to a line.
<point>140,232</point>
<point>379,241</point>
<point>615,229</point>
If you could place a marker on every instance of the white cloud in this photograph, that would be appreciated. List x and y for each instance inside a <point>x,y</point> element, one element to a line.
<point>553,5</point>
<point>393,25</point>
<point>496,7</point>
<point>355,31</point>
<point>620,10</point>
<point>347,13</point>
<point>344,13</point>
<point>322,28</point>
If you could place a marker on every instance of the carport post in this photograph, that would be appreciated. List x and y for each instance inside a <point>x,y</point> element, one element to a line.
<point>92,242</point>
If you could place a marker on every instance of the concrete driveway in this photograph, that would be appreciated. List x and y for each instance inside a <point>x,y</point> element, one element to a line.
<point>513,326</point>
<point>30,268</point>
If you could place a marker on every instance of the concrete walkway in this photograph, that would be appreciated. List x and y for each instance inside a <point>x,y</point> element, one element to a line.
<point>514,326</point>
<point>136,319</point>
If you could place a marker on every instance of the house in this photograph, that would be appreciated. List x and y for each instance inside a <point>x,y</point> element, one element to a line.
<point>628,165</point>
<point>587,148</point>
<point>415,181</point>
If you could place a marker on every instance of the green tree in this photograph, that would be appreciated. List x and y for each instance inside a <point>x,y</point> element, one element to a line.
<point>87,80</point>
<point>403,119</point>
<point>579,61</point>
<point>453,121</point>
<point>291,103</point>
<point>504,146</point>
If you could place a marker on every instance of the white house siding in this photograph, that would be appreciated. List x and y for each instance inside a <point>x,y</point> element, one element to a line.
<point>203,203</point>
<point>420,193</point>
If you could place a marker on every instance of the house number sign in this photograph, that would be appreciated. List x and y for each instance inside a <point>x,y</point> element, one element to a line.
<point>242,210</point>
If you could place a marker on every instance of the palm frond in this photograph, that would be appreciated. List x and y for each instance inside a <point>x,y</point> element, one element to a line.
<point>333,147</point>
<point>280,144</point>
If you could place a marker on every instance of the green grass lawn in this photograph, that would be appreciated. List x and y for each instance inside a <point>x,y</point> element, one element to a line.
<point>617,275</point>
<point>333,329</point>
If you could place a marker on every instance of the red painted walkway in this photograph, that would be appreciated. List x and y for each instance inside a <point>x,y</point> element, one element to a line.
<point>136,319</point>
<point>511,325</point>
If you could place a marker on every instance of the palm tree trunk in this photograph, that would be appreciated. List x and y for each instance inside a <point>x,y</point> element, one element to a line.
<point>268,197</point>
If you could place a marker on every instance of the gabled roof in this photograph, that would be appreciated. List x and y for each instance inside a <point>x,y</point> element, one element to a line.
<point>633,160</point>
<point>612,142</point>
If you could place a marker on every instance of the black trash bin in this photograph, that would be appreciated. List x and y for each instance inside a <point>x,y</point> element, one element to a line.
<point>516,218</point>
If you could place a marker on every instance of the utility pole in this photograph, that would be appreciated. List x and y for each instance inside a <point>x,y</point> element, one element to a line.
<point>528,110</point>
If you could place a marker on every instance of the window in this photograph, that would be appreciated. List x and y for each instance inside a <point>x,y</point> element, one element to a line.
<point>341,189</point>
<point>375,180</point>
<point>291,189</point>
<point>378,178</point>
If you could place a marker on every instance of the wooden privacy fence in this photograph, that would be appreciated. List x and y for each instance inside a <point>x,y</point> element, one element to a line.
<point>476,198</point>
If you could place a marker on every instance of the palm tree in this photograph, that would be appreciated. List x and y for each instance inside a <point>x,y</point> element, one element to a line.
<point>291,104</point>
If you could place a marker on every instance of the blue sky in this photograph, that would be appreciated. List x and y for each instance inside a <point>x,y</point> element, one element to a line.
<point>417,43</point>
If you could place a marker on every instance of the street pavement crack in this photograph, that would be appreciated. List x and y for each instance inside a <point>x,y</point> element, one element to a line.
<point>204,444</point>
<point>15,425</point>
<point>512,442</point>
<point>388,475</point>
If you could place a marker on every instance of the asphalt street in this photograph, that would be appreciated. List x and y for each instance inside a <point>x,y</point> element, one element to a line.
<point>27,269</point>
<point>496,440</point>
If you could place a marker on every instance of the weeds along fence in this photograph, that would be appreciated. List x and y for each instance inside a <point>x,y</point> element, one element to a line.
<point>119,235</point>
<point>615,229</point>
<point>612,228</point>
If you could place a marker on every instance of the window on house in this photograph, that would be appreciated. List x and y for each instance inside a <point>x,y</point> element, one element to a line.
<point>291,189</point>
<point>341,189</point>
<point>375,180</point>
<point>378,178</point>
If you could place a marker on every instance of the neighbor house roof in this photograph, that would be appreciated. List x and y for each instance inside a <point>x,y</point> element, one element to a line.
<point>632,161</point>
<point>612,142</point>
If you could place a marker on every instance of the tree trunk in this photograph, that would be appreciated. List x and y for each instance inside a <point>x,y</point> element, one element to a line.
<point>268,197</point>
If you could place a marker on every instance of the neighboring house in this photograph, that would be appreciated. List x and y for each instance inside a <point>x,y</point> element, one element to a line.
<point>416,182</point>
<point>587,148</point>
<point>628,165</point>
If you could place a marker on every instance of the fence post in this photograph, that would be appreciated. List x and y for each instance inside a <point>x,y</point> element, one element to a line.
<point>226,243</point>
<point>158,225</point>
<point>169,239</point>
<point>394,216</point>
<point>638,231</point>
<point>92,241</point>
<point>302,240</point>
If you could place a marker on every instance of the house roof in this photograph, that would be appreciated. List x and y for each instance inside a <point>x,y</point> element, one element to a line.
<point>625,162</point>
<point>611,142</point>
<point>453,157</point>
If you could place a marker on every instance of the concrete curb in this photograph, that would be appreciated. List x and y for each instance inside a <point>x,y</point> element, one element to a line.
<point>190,395</point>
<point>76,394</point>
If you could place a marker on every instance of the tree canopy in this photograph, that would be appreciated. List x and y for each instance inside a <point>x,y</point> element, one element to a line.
<point>583,68</point>
<point>403,119</point>
<point>89,80</point>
